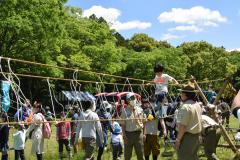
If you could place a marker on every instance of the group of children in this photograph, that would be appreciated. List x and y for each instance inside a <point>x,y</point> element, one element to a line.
<point>67,133</point>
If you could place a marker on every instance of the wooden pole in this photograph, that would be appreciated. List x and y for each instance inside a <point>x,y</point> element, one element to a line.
<point>221,91</point>
<point>214,114</point>
<point>227,146</point>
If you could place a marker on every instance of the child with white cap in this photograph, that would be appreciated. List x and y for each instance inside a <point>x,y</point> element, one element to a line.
<point>117,141</point>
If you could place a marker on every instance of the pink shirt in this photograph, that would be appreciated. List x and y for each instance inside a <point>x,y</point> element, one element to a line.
<point>63,130</point>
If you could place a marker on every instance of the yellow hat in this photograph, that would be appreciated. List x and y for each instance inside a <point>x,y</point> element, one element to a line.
<point>150,117</point>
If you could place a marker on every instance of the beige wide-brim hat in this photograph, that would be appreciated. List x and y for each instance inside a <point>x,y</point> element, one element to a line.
<point>188,88</point>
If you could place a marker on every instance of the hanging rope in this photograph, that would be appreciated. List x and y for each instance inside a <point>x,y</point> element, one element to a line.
<point>50,93</point>
<point>78,70</point>
<point>116,88</point>
<point>74,85</point>
<point>64,79</point>
<point>101,120</point>
<point>146,94</point>
<point>15,86</point>
<point>129,85</point>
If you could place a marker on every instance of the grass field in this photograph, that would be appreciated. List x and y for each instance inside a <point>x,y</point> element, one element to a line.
<point>51,149</point>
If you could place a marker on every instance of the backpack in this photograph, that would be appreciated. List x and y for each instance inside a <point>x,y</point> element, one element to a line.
<point>46,128</point>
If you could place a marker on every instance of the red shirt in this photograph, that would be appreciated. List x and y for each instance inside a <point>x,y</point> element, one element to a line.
<point>63,130</point>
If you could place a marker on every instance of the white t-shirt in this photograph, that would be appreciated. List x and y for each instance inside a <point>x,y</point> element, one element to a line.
<point>116,138</point>
<point>162,83</point>
<point>19,139</point>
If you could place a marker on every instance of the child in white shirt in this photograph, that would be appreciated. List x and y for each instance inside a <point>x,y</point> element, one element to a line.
<point>19,142</point>
<point>117,141</point>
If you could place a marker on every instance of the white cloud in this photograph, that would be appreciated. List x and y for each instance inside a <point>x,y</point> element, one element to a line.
<point>169,37</point>
<point>234,49</point>
<point>111,15</point>
<point>197,15</point>
<point>191,28</point>
<point>131,25</point>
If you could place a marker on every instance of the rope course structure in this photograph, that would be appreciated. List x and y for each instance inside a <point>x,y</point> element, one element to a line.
<point>77,70</point>
<point>100,86</point>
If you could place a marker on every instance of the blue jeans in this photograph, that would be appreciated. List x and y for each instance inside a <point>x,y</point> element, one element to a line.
<point>159,100</point>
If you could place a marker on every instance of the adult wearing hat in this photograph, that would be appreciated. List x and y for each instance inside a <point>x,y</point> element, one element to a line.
<point>132,129</point>
<point>188,124</point>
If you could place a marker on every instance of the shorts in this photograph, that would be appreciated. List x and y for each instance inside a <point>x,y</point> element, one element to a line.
<point>89,145</point>
<point>151,145</point>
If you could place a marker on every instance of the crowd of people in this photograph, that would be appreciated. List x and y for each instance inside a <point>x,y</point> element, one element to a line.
<point>138,125</point>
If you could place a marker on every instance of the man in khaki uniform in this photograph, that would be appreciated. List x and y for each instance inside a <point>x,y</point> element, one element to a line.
<point>188,125</point>
<point>132,129</point>
<point>211,134</point>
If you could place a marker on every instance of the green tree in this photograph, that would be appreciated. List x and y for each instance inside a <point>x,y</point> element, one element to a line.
<point>141,65</point>
<point>142,42</point>
<point>121,42</point>
<point>234,58</point>
<point>31,30</point>
<point>164,44</point>
<point>207,61</point>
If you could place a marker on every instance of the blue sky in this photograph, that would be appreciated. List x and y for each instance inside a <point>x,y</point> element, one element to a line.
<point>177,21</point>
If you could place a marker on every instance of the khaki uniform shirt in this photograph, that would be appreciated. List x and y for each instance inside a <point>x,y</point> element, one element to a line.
<point>189,115</point>
<point>207,122</point>
<point>132,125</point>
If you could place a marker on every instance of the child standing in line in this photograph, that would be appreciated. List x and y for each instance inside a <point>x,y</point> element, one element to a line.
<point>106,126</point>
<point>19,141</point>
<point>63,136</point>
<point>151,141</point>
<point>4,134</point>
<point>90,128</point>
<point>117,141</point>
